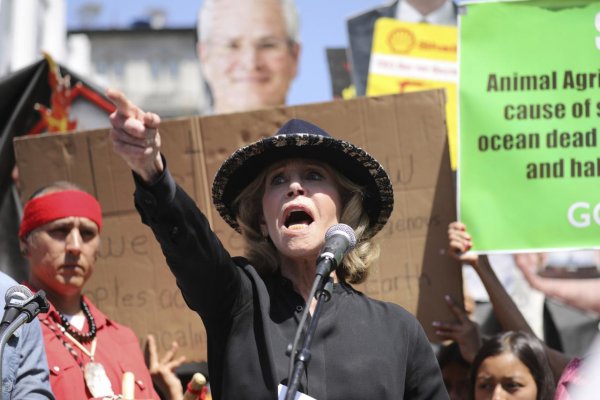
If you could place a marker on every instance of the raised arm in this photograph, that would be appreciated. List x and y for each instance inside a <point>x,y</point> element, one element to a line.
<point>583,294</point>
<point>135,137</point>
<point>463,331</point>
<point>208,277</point>
<point>506,311</point>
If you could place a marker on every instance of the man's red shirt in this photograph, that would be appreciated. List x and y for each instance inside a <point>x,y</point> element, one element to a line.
<point>117,349</point>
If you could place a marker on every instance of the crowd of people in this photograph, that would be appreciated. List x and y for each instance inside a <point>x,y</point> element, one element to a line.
<point>281,194</point>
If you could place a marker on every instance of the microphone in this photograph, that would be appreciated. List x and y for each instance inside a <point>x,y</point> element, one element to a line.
<point>16,296</point>
<point>22,304</point>
<point>339,240</point>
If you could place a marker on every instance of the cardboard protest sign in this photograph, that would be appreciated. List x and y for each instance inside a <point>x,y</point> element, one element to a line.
<point>132,283</point>
<point>529,121</point>
<point>408,57</point>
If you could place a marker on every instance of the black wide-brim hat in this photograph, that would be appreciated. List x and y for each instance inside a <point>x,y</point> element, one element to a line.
<point>301,139</point>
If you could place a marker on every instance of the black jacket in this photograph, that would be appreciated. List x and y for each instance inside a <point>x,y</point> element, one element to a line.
<point>362,349</point>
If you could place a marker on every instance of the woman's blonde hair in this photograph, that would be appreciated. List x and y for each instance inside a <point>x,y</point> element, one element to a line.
<point>261,252</point>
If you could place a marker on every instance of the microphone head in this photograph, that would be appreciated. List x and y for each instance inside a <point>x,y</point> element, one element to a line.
<point>344,230</point>
<point>17,295</point>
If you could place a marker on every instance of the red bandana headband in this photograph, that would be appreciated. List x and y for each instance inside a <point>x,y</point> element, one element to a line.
<point>69,203</point>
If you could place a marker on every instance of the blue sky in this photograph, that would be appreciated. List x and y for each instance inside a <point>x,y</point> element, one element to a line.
<point>323,25</point>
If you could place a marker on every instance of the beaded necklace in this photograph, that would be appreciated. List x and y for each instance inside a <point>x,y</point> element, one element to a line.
<point>78,335</point>
<point>94,373</point>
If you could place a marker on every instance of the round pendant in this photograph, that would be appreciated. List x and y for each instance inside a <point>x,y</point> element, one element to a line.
<point>96,380</point>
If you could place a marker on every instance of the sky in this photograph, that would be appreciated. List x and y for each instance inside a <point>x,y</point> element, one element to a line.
<point>322,25</point>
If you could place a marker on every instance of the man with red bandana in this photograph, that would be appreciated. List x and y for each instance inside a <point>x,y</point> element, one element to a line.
<point>87,352</point>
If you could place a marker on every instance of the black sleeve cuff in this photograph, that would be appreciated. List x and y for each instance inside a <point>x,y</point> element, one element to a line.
<point>150,198</point>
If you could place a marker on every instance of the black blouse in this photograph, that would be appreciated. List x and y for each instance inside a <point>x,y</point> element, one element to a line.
<point>362,348</point>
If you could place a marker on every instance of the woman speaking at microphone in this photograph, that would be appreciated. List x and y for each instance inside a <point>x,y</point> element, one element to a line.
<point>282,194</point>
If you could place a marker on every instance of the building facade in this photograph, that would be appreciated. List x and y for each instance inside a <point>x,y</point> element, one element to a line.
<point>156,68</point>
<point>29,26</point>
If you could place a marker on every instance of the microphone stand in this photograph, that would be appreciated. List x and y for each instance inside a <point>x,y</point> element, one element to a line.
<point>28,312</point>
<point>322,290</point>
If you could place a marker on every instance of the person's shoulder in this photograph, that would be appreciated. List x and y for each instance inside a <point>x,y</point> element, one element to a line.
<point>386,308</point>
<point>121,333</point>
<point>240,261</point>
<point>102,320</point>
<point>373,13</point>
<point>6,282</point>
<point>249,270</point>
<point>391,318</point>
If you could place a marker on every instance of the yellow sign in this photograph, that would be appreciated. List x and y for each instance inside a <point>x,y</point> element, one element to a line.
<point>407,57</point>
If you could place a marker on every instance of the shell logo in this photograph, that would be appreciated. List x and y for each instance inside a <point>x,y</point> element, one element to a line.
<point>401,40</point>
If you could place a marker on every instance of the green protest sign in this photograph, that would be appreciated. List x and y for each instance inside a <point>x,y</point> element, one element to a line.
<point>529,98</point>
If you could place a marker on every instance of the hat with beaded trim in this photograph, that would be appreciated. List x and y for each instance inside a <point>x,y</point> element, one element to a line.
<point>301,139</point>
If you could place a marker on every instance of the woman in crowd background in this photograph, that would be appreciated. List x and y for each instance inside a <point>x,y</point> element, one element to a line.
<point>511,365</point>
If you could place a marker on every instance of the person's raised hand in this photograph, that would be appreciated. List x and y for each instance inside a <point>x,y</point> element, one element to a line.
<point>464,332</point>
<point>135,137</point>
<point>529,264</point>
<point>162,370</point>
<point>460,243</point>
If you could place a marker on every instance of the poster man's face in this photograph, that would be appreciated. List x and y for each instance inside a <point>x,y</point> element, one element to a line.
<point>247,58</point>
